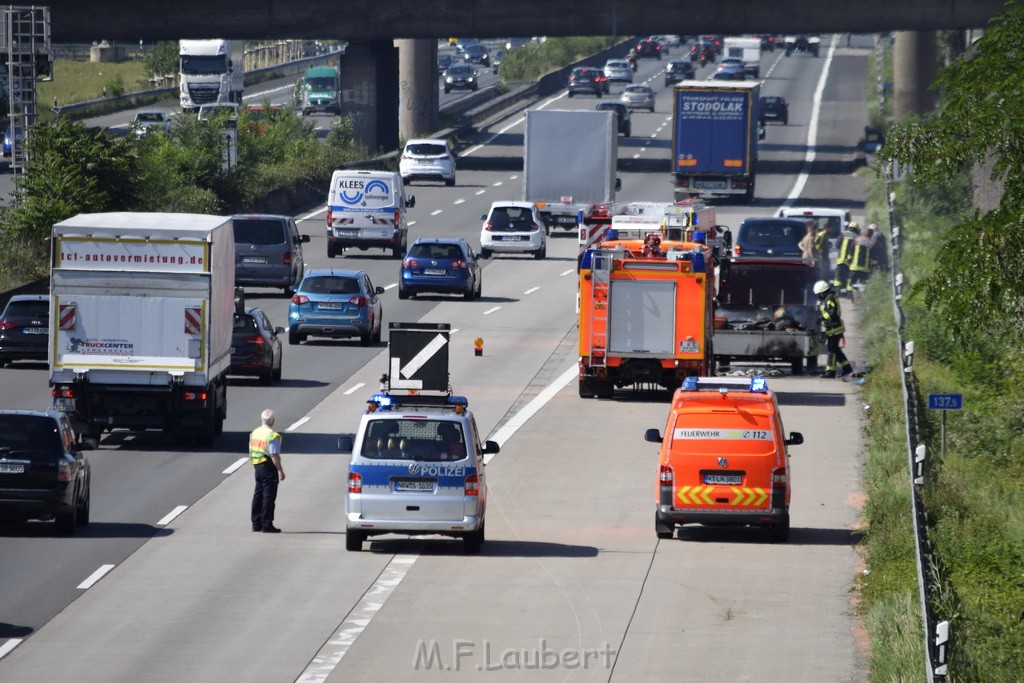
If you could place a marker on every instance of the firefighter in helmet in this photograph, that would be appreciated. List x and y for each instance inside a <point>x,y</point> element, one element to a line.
<point>831,321</point>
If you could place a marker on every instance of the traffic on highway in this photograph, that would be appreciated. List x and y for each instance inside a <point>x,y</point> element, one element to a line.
<point>607,553</point>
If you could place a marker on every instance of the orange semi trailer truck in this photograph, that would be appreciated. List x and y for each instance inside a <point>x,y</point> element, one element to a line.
<point>646,314</point>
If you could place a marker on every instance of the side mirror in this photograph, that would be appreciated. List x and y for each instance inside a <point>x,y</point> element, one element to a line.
<point>618,184</point>
<point>410,201</point>
<point>491,447</point>
<point>304,239</point>
<point>653,435</point>
<point>761,134</point>
<point>89,445</point>
<point>278,330</point>
<point>795,439</point>
<point>345,442</point>
<point>483,217</point>
<point>379,290</point>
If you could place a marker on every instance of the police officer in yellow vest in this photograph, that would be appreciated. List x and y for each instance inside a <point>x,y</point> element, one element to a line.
<point>265,457</point>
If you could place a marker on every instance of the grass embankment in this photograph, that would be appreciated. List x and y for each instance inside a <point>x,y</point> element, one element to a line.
<point>530,62</point>
<point>75,81</point>
<point>974,494</point>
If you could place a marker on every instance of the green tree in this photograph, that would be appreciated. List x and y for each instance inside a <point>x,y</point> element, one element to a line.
<point>978,279</point>
<point>163,59</point>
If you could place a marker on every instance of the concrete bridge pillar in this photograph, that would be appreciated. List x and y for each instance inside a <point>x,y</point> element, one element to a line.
<point>914,70</point>
<point>369,85</point>
<point>418,94</point>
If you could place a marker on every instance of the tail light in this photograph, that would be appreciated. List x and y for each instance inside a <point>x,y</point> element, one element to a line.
<point>472,485</point>
<point>488,227</point>
<point>300,299</point>
<point>358,301</point>
<point>398,215</point>
<point>779,479</point>
<point>8,325</point>
<point>287,258</point>
<point>459,264</point>
<point>410,263</point>
<point>330,217</point>
<point>254,340</point>
<point>536,227</point>
<point>355,482</point>
<point>665,475</point>
<point>62,392</point>
<point>194,395</point>
<point>735,250</point>
<point>63,471</point>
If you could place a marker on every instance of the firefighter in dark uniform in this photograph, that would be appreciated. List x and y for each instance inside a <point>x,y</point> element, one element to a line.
<point>832,325</point>
<point>841,278</point>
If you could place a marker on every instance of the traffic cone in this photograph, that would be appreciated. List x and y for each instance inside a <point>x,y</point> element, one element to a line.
<point>478,346</point>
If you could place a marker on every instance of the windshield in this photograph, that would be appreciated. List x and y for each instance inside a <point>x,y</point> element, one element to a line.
<point>321,83</point>
<point>772,233</point>
<point>258,231</point>
<point>460,71</point>
<point>28,437</point>
<point>330,285</point>
<point>196,65</point>
<point>436,251</point>
<point>244,323</point>
<point>426,149</point>
<point>512,219</point>
<point>419,439</point>
<point>29,309</point>
<point>152,117</point>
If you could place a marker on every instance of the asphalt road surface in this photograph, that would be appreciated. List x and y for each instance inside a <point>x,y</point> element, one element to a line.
<point>572,583</point>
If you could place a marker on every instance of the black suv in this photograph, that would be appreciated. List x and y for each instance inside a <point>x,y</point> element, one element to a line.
<point>585,79</point>
<point>774,108</point>
<point>678,70</point>
<point>622,113</point>
<point>24,328</point>
<point>43,474</point>
<point>648,48</point>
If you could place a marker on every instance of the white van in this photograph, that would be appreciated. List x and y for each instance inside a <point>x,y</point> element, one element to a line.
<point>835,220</point>
<point>367,209</point>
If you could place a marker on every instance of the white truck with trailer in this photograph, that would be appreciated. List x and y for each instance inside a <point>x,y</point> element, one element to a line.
<point>210,72</point>
<point>141,318</point>
<point>746,49</point>
<point>569,163</point>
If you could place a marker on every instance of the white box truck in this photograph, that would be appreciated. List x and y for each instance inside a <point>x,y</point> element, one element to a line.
<point>210,72</point>
<point>747,49</point>
<point>569,163</point>
<point>141,308</point>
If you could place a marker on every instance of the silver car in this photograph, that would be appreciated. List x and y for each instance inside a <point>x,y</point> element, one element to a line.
<point>618,70</point>
<point>416,467</point>
<point>638,97</point>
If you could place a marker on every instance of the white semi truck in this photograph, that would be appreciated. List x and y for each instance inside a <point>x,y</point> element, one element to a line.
<point>141,318</point>
<point>569,163</point>
<point>210,72</point>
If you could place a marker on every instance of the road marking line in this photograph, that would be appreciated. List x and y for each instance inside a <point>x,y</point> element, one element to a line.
<point>812,129</point>
<point>9,645</point>
<point>477,148</point>
<point>267,92</point>
<point>492,310</point>
<point>95,576</point>
<point>313,213</point>
<point>497,184</point>
<point>636,156</point>
<point>171,515</point>
<point>391,286</point>
<point>480,192</point>
<point>238,463</point>
<point>531,290</point>
<point>354,388</point>
<point>513,177</point>
<point>412,223</point>
<point>454,330</point>
<point>571,270</point>
<point>437,211</point>
<point>532,408</point>
<point>335,649</point>
<point>297,424</point>
<point>460,201</point>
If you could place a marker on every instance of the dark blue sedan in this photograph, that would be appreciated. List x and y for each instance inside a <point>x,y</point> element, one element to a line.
<point>444,265</point>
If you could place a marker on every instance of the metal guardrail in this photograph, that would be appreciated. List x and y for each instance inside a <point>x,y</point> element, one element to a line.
<point>936,630</point>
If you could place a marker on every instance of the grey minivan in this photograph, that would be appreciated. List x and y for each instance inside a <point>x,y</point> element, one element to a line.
<point>268,251</point>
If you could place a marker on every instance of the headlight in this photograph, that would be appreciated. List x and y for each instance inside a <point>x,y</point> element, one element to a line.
<point>448,80</point>
<point>470,79</point>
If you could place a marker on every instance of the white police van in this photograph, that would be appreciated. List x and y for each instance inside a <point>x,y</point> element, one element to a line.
<point>416,461</point>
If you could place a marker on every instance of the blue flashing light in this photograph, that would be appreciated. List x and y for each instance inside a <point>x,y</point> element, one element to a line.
<point>695,220</point>
<point>758,385</point>
<point>458,401</point>
<point>690,383</point>
<point>611,234</point>
<point>382,401</point>
<point>700,237</point>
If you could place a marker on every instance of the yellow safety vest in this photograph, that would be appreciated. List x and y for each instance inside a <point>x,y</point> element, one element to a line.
<point>259,444</point>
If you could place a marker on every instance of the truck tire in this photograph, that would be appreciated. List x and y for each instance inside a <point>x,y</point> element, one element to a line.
<point>585,389</point>
<point>207,431</point>
<point>603,388</point>
<point>812,362</point>
<point>749,196</point>
<point>797,365</point>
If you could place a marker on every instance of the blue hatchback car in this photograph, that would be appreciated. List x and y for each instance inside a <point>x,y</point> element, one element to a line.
<point>445,265</point>
<point>335,303</point>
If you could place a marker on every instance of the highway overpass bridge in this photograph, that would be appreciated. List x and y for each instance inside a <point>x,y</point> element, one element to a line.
<point>377,67</point>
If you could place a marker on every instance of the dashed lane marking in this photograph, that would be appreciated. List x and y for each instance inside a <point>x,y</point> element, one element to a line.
<point>95,576</point>
<point>436,211</point>
<point>492,310</point>
<point>531,290</point>
<point>354,388</point>
<point>11,643</point>
<point>564,273</point>
<point>169,517</point>
<point>238,463</point>
<point>297,424</point>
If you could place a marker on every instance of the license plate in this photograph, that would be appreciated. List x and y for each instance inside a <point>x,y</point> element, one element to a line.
<point>565,220</point>
<point>723,479</point>
<point>10,468</point>
<point>711,184</point>
<point>35,330</point>
<point>329,306</point>
<point>513,238</point>
<point>434,271</point>
<point>689,347</point>
<point>254,259</point>
<point>415,486</point>
<point>64,404</point>
<point>346,233</point>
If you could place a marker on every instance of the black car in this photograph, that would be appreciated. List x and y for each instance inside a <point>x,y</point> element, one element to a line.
<point>678,70</point>
<point>621,113</point>
<point>477,54</point>
<point>585,79</point>
<point>444,60</point>
<point>255,346</point>
<point>24,328</point>
<point>774,108</point>
<point>461,76</point>
<point>648,48</point>
<point>769,237</point>
<point>805,42</point>
<point>43,474</point>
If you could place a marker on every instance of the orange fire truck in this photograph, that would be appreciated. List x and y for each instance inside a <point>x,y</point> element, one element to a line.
<point>675,220</point>
<point>645,313</point>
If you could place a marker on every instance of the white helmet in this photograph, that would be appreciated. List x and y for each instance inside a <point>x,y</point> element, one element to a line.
<point>821,286</point>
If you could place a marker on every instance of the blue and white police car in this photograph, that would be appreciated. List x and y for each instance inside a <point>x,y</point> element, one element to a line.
<point>417,467</point>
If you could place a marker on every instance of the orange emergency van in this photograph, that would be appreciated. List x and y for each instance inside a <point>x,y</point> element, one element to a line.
<point>723,459</point>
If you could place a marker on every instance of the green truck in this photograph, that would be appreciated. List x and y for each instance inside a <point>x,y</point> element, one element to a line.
<point>319,91</point>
